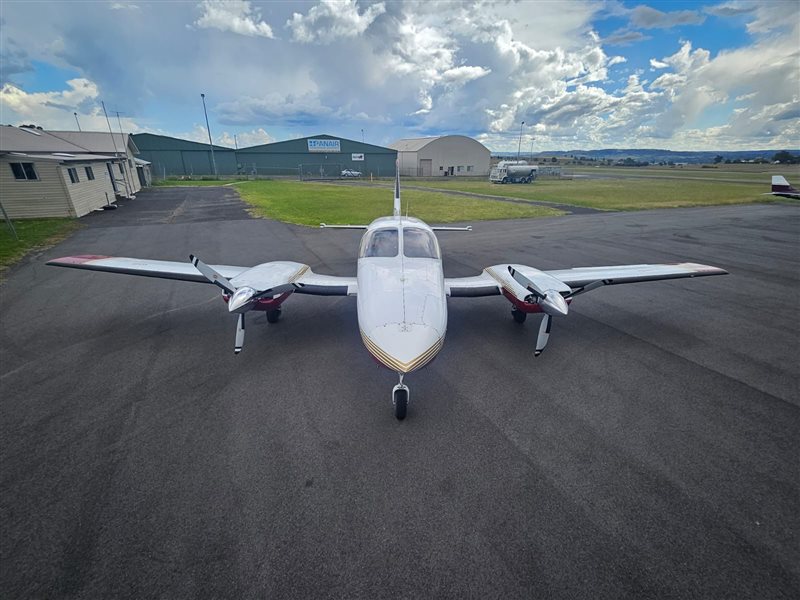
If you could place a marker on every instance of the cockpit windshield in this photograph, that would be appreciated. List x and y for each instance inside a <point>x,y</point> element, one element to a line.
<point>381,243</point>
<point>419,243</point>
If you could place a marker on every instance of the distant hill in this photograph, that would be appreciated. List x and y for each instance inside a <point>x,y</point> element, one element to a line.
<point>650,155</point>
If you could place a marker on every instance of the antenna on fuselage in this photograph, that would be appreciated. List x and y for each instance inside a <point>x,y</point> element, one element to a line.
<point>397,189</point>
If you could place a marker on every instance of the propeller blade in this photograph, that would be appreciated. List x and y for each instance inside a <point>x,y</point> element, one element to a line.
<point>212,275</point>
<point>278,289</point>
<point>239,334</point>
<point>526,283</point>
<point>544,334</point>
<point>587,288</point>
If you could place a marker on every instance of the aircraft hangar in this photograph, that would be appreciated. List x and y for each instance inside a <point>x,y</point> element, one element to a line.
<point>447,155</point>
<point>313,157</point>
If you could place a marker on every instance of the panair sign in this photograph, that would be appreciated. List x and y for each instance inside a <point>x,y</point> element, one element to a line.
<point>324,146</point>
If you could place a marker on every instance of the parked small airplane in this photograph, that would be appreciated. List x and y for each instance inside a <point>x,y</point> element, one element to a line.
<point>400,287</point>
<point>781,187</point>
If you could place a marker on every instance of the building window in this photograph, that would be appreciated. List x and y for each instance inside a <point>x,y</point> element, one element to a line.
<point>89,173</point>
<point>121,169</point>
<point>460,168</point>
<point>469,168</point>
<point>73,175</point>
<point>441,168</point>
<point>130,163</point>
<point>24,171</point>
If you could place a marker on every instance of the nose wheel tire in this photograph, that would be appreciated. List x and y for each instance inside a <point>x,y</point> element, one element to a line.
<point>518,315</point>
<point>400,401</point>
<point>273,315</point>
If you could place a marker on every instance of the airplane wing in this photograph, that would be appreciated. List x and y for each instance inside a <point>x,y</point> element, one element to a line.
<point>495,279</point>
<point>261,277</point>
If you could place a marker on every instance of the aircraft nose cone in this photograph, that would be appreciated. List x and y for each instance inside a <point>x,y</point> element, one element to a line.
<point>404,347</point>
<point>240,300</point>
<point>554,304</point>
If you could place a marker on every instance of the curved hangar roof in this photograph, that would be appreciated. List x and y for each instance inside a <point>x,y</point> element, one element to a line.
<point>417,144</point>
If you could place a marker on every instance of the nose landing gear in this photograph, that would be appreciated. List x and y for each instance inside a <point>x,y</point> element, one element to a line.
<point>400,395</point>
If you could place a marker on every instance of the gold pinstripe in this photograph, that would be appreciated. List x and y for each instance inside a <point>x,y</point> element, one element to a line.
<point>396,364</point>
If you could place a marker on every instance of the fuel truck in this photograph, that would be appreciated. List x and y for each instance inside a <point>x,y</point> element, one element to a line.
<point>513,171</point>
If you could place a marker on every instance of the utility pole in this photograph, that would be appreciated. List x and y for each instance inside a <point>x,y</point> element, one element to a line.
<point>76,120</point>
<point>519,146</point>
<point>362,136</point>
<point>210,145</point>
<point>235,142</point>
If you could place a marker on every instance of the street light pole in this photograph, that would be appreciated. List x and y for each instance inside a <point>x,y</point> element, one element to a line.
<point>519,146</point>
<point>362,136</point>
<point>78,122</point>
<point>208,129</point>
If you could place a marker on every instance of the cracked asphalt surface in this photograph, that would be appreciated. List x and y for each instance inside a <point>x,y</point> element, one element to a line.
<point>650,452</point>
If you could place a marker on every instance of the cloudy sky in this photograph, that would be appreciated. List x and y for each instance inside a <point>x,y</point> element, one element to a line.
<point>580,74</point>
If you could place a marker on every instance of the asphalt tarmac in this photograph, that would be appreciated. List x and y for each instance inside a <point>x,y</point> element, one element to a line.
<point>650,452</point>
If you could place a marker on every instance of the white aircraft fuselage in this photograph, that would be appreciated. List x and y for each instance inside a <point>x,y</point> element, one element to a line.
<point>402,302</point>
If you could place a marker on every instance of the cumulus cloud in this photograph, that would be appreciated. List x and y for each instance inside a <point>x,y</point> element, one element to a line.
<point>54,110</point>
<point>400,69</point>
<point>124,6</point>
<point>236,16</point>
<point>331,20</point>
<point>647,17</point>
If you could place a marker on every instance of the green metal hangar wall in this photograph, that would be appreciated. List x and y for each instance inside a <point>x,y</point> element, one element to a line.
<point>317,156</point>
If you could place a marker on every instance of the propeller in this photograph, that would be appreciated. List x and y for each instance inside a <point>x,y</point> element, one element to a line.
<point>544,334</point>
<point>241,299</point>
<point>551,302</point>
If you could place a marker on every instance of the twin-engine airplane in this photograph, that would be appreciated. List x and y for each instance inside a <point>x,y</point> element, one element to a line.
<point>400,287</point>
<point>781,187</point>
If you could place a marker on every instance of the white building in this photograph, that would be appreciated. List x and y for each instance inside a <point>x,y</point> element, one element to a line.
<point>42,175</point>
<point>447,155</point>
<point>130,176</point>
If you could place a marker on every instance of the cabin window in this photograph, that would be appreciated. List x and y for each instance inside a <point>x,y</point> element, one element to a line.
<point>24,171</point>
<point>73,175</point>
<point>419,243</point>
<point>89,173</point>
<point>381,243</point>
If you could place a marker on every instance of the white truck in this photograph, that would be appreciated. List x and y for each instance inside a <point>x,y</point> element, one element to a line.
<point>513,171</point>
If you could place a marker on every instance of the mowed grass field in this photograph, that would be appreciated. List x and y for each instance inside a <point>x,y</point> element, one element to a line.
<point>617,193</point>
<point>334,204</point>
<point>33,234</point>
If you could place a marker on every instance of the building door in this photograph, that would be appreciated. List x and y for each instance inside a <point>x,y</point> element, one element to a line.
<point>425,167</point>
<point>140,173</point>
<point>450,170</point>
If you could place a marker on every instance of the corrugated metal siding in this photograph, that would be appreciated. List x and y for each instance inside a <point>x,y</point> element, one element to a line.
<point>45,197</point>
<point>87,195</point>
<point>171,157</point>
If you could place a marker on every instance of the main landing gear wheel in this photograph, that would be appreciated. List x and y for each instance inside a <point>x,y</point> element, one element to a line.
<point>400,401</point>
<point>273,315</point>
<point>518,315</point>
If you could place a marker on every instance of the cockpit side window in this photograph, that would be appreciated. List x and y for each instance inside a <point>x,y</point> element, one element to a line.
<point>419,243</point>
<point>381,243</point>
